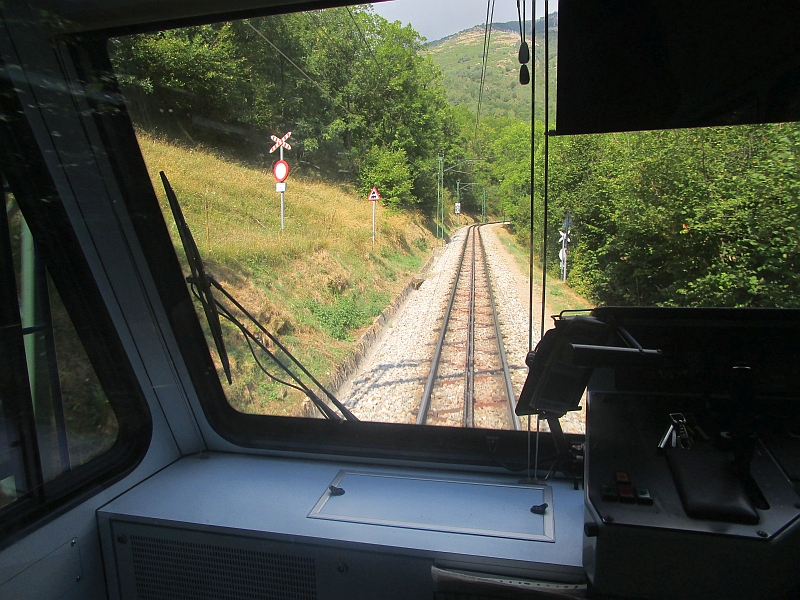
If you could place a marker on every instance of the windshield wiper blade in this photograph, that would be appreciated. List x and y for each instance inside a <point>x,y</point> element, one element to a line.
<point>342,408</point>
<point>202,282</point>
<point>198,277</point>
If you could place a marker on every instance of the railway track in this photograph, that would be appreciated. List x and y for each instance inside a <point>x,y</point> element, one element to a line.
<point>469,384</point>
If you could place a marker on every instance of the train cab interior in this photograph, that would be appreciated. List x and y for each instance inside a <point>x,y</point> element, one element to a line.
<point>686,483</point>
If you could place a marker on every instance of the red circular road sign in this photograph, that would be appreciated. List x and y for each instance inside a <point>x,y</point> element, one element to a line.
<point>280,170</point>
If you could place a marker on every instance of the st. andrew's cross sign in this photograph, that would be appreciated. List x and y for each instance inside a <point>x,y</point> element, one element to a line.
<point>281,169</point>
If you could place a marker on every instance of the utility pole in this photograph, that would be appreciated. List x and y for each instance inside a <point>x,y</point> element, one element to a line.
<point>440,200</point>
<point>483,210</point>
<point>564,239</point>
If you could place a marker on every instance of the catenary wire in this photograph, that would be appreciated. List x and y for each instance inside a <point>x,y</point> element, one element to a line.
<point>487,40</point>
<point>306,75</point>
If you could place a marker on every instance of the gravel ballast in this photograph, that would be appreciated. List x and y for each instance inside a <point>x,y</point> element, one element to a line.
<point>389,386</point>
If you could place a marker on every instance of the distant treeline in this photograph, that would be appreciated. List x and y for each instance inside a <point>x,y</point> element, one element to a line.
<point>362,98</point>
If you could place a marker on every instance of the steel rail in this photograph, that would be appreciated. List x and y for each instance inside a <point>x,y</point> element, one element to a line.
<point>500,346</point>
<point>469,366</point>
<point>425,404</point>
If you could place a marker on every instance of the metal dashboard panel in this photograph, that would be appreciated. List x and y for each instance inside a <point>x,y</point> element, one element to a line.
<point>269,499</point>
<point>438,504</point>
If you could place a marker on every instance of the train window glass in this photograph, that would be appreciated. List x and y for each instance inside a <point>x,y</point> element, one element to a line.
<point>73,418</point>
<point>72,421</point>
<point>351,102</point>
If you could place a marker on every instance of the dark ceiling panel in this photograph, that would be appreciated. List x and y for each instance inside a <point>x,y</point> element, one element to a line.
<point>628,65</point>
<point>126,16</point>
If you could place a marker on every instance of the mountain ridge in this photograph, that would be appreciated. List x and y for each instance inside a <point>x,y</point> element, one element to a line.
<point>509,26</point>
<point>461,55</point>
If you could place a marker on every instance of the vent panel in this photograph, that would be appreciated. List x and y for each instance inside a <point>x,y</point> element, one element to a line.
<point>174,570</point>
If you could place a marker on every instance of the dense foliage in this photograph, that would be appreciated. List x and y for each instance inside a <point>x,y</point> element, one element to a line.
<point>698,217</point>
<point>354,89</point>
<point>694,217</point>
<point>687,217</point>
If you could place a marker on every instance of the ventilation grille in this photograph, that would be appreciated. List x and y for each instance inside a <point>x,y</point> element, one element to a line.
<point>175,570</point>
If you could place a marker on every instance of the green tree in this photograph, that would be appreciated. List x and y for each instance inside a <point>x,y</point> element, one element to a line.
<point>389,171</point>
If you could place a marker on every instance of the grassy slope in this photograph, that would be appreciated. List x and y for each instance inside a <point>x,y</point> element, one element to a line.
<point>319,278</point>
<point>460,57</point>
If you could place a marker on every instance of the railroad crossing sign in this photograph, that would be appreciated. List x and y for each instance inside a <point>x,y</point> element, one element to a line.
<point>280,142</point>
<point>281,168</point>
<point>374,195</point>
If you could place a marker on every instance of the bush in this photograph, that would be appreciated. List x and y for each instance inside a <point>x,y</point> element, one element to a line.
<point>348,312</point>
<point>389,171</point>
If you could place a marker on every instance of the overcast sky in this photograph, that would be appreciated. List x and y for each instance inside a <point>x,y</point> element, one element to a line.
<point>436,19</point>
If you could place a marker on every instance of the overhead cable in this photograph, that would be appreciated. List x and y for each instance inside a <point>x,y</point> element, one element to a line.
<point>487,39</point>
<point>306,75</point>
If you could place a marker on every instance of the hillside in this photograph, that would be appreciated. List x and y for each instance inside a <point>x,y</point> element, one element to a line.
<point>316,285</point>
<point>460,57</point>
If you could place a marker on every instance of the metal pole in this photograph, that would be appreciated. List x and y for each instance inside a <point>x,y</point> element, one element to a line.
<point>545,198</point>
<point>282,212</point>
<point>441,178</point>
<point>374,202</point>
<point>438,196</point>
<point>484,205</point>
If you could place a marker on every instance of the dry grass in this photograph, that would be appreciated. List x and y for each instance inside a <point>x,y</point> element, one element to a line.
<point>325,253</point>
<point>559,295</point>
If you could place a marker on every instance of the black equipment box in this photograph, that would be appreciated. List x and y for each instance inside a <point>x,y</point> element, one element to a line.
<point>692,465</point>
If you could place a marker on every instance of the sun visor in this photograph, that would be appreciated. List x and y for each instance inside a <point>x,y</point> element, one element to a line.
<point>626,65</point>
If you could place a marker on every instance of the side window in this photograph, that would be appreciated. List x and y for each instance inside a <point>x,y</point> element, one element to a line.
<point>71,416</point>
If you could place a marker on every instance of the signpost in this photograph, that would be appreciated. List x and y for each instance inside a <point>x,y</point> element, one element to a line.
<point>281,168</point>
<point>564,239</point>
<point>373,197</point>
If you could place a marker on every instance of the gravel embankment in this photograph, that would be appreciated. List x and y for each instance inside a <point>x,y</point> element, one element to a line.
<point>390,385</point>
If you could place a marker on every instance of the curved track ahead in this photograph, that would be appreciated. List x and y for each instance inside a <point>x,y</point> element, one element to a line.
<point>469,383</point>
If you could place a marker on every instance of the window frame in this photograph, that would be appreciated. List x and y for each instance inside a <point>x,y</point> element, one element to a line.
<point>36,194</point>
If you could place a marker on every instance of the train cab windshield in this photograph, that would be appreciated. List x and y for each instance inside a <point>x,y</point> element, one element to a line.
<point>329,282</point>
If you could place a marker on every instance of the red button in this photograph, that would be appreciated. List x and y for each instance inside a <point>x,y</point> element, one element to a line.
<point>626,493</point>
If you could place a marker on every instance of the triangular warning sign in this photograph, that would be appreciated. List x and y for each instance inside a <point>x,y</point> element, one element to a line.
<point>374,195</point>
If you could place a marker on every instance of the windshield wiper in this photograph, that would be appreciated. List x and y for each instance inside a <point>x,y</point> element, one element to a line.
<point>201,284</point>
